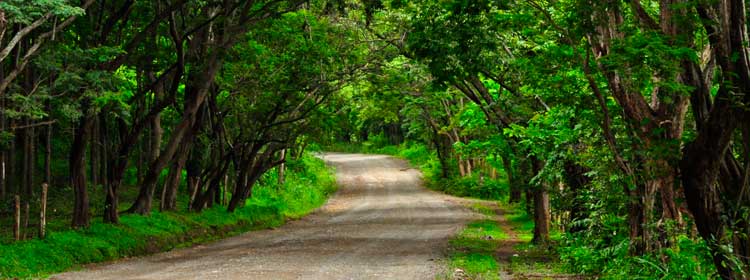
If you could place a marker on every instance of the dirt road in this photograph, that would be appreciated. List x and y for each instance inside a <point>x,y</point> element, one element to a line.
<point>382,224</point>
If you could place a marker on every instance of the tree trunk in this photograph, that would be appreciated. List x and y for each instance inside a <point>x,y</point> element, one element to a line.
<point>169,193</point>
<point>3,152</point>
<point>193,170</point>
<point>515,189</point>
<point>81,216</point>
<point>254,170</point>
<point>195,97</point>
<point>94,150</point>
<point>699,173</point>
<point>12,166</point>
<point>541,216</point>
<point>48,155</point>
<point>461,167</point>
<point>541,209</point>
<point>111,201</point>
<point>23,138</point>
<point>576,180</point>
<point>636,222</point>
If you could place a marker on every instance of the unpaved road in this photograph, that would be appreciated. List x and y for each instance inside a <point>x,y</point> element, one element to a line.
<point>382,224</point>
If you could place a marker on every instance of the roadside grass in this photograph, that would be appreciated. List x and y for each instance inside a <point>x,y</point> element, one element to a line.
<point>472,251</point>
<point>308,185</point>
<point>543,262</point>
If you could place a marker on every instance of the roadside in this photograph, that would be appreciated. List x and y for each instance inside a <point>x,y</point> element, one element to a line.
<point>308,185</point>
<point>498,247</point>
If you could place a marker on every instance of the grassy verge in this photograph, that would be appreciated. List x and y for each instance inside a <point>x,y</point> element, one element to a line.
<point>531,259</point>
<point>472,252</point>
<point>307,187</point>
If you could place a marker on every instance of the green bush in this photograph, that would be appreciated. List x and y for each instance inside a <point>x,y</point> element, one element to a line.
<point>688,259</point>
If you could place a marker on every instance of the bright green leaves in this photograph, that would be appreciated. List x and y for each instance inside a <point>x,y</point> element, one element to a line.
<point>27,11</point>
<point>280,79</point>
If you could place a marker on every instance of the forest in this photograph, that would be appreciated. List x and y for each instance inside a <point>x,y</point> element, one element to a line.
<point>620,128</point>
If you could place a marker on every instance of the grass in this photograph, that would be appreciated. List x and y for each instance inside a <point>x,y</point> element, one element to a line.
<point>308,185</point>
<point>472,250</point>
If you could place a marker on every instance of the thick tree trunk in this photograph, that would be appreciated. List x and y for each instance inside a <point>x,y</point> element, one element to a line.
<point>575,181</point>
<point>94,150</point>
<point>81,216</point>
<point>699,175</point>
<point>197,94</point>
<point>636,222</point>
<point>111,202</point>
<point>193,170</point>
<point>542,217</point>
<point>515,189</point>
<point>443,155</point>
<point>169,193</point>
<point>461,167</point>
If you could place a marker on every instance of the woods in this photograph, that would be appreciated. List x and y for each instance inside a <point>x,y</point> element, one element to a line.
<point>620,127</point>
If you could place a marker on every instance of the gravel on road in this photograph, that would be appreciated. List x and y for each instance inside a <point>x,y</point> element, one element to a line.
<point>381,224</point>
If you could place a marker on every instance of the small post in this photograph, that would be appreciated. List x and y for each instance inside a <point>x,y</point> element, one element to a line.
<point>25,219</point>
<point>282,167</point>
<point>43,212</point>
<point>224,191</point>
<point>17,222</point>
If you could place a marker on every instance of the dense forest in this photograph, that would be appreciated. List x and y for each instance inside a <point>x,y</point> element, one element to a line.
<point>621,127</point>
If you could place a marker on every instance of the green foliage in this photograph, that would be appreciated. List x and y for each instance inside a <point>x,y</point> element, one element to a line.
<point>688,259</point>
<point>26,11</point>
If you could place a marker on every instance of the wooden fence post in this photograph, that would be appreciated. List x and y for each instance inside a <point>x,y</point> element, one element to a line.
<point>17,222</point>
<point>26,218</point>
<point>224,190</point>
<point>282,168</point>
<point>43,212</point>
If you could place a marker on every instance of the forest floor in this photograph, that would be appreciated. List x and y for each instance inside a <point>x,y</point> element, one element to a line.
<point>382,224</point>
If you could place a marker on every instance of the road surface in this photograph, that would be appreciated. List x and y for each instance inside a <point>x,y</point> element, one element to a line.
<point>381,224</point>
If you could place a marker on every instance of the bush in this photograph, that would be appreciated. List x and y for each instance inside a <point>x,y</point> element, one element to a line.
<point>610,260</point>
